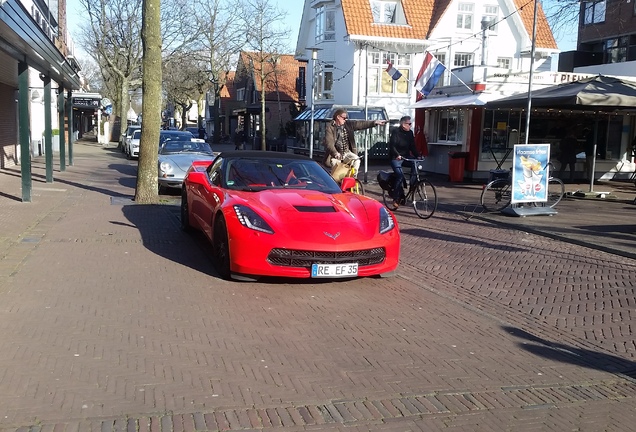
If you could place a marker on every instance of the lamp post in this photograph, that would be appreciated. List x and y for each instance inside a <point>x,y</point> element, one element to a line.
<point>532,50</point>
<point>314,57</point>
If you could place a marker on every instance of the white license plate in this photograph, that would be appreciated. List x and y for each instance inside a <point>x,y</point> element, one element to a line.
<point>334,270</point>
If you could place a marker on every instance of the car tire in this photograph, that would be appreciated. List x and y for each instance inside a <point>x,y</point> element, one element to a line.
<point>185,213</point>
<point>221,249</point>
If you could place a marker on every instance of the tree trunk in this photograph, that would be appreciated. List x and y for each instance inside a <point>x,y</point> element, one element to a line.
<point>124,104</point>
<point>147,184</point>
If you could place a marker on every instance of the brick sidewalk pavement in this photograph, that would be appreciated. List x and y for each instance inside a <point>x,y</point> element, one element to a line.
<point>114,320</point>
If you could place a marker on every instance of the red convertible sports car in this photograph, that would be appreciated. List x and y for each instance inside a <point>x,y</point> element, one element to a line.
<point>280,214</point>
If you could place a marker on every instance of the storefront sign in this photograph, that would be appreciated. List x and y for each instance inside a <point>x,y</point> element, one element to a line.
<point>530,173</point>
<point>85,103</point>
<point>551,78</point>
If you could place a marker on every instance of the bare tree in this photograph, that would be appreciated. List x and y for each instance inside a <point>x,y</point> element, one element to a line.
<point>561,14</point>
<point>266,37</point>
<point>147,183</point>
<point>111,36</point>
<point>184,81</point>
<point>221,35</point>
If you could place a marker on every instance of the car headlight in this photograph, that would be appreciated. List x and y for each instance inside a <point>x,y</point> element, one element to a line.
<point>250,219</point>
<point>386,221</point>
<point>165,167</point>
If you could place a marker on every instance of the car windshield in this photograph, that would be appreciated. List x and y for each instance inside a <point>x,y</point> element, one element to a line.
<point>172,147</point>
<point>269,173</point>
<point>174,136</point>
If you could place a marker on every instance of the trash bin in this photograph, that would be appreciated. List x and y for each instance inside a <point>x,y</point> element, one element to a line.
<point>456,164</point>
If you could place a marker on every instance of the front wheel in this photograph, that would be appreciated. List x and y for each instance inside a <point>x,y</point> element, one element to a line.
<point>358,188</point>
<point>496,196</point>
<point>556,190</point>
<point>221,249</point>
<point>425,199</point>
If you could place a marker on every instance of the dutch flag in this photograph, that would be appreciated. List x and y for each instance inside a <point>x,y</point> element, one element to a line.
<point>430,72</point>
<point>395,74</point>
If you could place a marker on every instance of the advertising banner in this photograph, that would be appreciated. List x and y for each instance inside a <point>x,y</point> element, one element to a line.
<point>530,173</point>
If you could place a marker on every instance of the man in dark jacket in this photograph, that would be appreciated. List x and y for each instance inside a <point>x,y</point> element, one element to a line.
<point>340,143</point>
<point>401,146</point>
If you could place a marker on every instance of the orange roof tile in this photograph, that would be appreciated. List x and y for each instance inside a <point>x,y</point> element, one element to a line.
<point>228,90</point>
<point>285,77</point>
<point>423,15</point>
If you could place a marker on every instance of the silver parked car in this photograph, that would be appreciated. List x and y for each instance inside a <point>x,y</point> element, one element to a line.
<point>176,156</point>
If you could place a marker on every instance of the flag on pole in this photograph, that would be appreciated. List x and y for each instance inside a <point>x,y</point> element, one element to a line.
<point>429,74</point>
<point>395,74</point>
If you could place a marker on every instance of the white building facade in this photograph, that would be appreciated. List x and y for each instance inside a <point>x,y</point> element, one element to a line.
<point>354,41</point>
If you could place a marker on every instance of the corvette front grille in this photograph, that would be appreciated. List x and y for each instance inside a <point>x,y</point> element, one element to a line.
<point>304,258</point>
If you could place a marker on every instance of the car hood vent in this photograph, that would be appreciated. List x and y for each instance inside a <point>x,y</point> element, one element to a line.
<point>315,209</point>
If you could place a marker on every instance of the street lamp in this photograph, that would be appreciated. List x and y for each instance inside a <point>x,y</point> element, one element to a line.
<point>314,57</point>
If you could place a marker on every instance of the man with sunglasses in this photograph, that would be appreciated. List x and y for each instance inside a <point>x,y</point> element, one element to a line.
<point>401,147</point>
<point>340,143</point>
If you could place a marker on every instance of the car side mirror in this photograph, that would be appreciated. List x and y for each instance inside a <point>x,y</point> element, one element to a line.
<point>347,183</point>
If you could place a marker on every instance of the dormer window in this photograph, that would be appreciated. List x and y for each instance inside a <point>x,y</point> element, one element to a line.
<point>387,12</point>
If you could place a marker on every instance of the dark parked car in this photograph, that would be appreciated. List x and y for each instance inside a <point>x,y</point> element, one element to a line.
<point>198,132</point>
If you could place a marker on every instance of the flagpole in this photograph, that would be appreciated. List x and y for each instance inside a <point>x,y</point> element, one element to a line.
<point>366,109</point>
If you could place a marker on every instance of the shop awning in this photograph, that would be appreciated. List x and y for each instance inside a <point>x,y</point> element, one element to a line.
<point>479,99</point>
<point>601,92</point>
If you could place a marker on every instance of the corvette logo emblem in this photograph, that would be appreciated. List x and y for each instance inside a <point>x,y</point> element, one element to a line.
<point>332,236</point>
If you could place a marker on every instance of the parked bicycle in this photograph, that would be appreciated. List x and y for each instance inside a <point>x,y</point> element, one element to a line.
<point>497,195</point>
<point>421,194</point>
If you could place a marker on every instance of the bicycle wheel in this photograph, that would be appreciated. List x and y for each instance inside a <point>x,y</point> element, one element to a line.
<point>424,199</point>
<point>496,196</point>
<point>387,199</point>
<point>556,190</point>
<point>358,188</point>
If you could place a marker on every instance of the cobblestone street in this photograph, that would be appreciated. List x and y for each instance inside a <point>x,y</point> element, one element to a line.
<point>112,319</point>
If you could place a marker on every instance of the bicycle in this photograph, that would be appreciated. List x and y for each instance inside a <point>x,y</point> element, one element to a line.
<point>358,187</point>
<point>421,194</point>
<point>497,194</point>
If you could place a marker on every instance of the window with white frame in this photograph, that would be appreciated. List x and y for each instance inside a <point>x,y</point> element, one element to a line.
<point>379,81</point>
<point>240,94</point>
<point>492,14</point>
<point>450,126</point>
<point>324,86</point>
<point>325,24</point>
<point>465,16</point>
<point>463,59</point>
<point>594,12</point>
<point>387,11</point>
<point>504,62</point>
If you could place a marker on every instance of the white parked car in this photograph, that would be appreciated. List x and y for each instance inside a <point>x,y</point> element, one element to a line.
<point>125,137</point>
<point>132,148</point>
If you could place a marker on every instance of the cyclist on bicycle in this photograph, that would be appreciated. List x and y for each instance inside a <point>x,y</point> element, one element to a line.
<point>340,143</point>
<point>401,146</point>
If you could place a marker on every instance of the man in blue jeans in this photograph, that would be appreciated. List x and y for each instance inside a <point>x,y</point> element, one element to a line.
<point>401,146</point>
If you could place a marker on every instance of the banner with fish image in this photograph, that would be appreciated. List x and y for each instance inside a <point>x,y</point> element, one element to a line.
<point>530,173</point>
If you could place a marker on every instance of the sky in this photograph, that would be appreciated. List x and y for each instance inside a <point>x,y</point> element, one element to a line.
<point>294,9</point>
